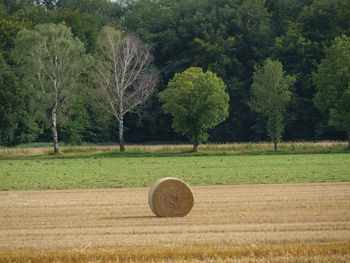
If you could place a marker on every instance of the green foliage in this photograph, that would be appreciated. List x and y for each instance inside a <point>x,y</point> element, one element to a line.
<point>13,6</point>
<point>51,62</point>
<point>300,49</point>
<point>284,12</point>
<point>228,37</point>
<point>49,56</point>
<point>104,8</point>
<point>9,28</point>
<point>323,20</point>
<point>333,84</point>
<point>11,106</point>
<point>270,95</point>
<point>75,130</point>
<point>81,27</point>
<point>197,101</point>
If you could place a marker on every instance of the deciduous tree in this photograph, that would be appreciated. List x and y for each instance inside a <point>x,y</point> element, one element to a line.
<point>51,61</point>
<point>126,77</point>
<point>333,84</point>
<point>270,95</point>
<point>197,101</point>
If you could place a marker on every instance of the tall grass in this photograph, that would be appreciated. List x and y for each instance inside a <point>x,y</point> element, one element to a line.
<point>178,149</point>
<point>292,147</point>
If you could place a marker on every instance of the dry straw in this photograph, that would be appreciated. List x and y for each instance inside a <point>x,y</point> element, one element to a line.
<point>170,197</point>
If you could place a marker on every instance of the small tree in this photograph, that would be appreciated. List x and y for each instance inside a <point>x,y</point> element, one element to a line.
<point>52,61</point>
<point>270,95</point>
<point>197,101</point>
<point>125,76</point>
<point>333,84</point>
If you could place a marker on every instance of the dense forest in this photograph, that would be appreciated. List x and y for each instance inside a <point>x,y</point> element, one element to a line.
<point>228,37</point>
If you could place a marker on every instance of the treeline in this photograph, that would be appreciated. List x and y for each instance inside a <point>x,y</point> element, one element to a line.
<point>228,37</point>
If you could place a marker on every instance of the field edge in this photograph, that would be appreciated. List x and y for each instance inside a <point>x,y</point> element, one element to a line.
<point>291,252</point>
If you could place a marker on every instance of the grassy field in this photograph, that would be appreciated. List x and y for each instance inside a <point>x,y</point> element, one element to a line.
<point>242,223</point>
<point>92,173</point>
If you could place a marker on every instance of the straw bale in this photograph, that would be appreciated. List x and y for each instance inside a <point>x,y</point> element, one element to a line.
<point>170,197</point>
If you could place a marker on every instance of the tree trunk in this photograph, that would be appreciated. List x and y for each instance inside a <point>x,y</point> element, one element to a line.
<point>275,145</point>
<point>349,139</point>
<point>195,141</point>
<point>54,130</point>
<point>195,147</point>
<point>121,134</point>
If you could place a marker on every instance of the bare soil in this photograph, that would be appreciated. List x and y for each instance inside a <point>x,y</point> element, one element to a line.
<point>249,223</point>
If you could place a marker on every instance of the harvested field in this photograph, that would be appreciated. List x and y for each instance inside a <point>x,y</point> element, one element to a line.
<point>247,223</point>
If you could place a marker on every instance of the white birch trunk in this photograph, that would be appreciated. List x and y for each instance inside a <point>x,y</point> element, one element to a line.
<point>121,134</point>
<point>54,129</point>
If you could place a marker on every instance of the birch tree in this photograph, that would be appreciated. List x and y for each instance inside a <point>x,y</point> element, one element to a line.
<point>126,77</point>
<point>51,62</point>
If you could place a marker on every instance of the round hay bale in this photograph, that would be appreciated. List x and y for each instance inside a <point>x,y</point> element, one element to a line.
<point>170,197</point>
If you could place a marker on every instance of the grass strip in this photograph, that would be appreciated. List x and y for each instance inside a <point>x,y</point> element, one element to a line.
<point>125,172</point>
<point>230,149</point>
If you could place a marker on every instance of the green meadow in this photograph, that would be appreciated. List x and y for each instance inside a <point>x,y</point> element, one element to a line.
<point>109,172</point>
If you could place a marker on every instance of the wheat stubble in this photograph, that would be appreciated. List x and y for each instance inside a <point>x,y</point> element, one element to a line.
<point>294,217</point>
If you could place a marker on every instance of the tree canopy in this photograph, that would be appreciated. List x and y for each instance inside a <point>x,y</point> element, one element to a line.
<point>51,62</point>
<point>270,95</point>
<point>11,97</point>
<point>332,80</point>
<point>227,37</point>
<point>125,74</point>
<point>197,101</point>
